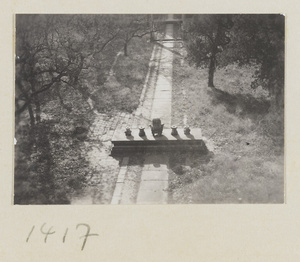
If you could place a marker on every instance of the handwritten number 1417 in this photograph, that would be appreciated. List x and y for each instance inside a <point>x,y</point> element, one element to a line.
<point>49,231</point>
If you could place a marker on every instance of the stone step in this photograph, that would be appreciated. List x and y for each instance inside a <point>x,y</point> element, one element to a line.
<point>123,144</point>
<point>126,150</point>
<point>119,135</point>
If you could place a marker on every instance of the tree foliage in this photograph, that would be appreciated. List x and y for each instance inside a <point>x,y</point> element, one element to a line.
<point>245,39</point>
<point>260,39</point>
<point>132,26</point>
<point>52,51</point>
<point>207,36</point>
<point>63,60</point>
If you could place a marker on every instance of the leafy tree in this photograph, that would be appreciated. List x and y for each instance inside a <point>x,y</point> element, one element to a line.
<point>133,26</point>
<point>52,50</point>
<point>207,36</point>
<point>242,38</point>
<point>58,57</point>
<point>259,39</point>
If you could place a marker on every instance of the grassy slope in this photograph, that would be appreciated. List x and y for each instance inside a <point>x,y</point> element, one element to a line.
<point>247,165</point>
<point>122,91</point>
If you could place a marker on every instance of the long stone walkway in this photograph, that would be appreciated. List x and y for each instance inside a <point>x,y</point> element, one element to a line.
<point>162,100</point>
<point>155,102</point>
<point>154,179</point>
<point>117,181</point>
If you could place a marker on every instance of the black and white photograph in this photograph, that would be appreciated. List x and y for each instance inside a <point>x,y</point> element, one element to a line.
<point>137,109</point>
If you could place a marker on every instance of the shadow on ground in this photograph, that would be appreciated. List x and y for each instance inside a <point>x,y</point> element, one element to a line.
<point>170,49</point>
<point>244,105</point>
<point>181,165</point>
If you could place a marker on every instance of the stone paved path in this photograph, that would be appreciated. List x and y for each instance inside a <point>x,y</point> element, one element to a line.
<point>149,185</point>
<point>96,150</point>
<point>115,181</point>
<point>161,107</point>
<point>154,179</point>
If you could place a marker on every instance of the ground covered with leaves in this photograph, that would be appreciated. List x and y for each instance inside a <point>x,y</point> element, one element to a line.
<point>247,161</point>
<point>52,163</point>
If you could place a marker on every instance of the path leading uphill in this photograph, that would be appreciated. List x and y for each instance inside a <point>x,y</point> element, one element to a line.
<point>155,102</point>
<point>154,179</point>
<point>119,180</point>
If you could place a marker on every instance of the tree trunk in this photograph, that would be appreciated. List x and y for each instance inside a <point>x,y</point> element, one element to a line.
<point>211,71</point>
<point>125,49</point>
<point>37,110</point>
<point>30,111</point>
<point>36,103</point>
<point>27,102</point>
